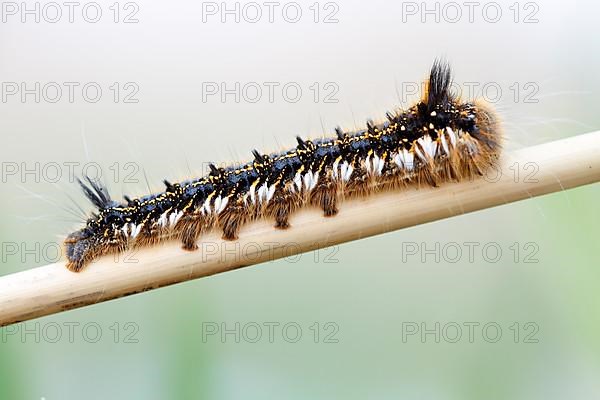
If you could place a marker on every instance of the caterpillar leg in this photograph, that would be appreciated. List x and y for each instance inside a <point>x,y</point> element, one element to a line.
<point>425,173</point>
<point>232,218</point>
<point>190,227</point>
<point>359,184</point>
<point>149,235</point>
<point>325,196</point>
<point>284,203</point>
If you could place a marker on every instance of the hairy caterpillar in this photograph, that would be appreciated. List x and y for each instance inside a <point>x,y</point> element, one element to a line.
<point>439,139</point>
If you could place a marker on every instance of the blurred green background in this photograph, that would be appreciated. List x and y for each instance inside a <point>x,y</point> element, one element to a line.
<point>376,318</point>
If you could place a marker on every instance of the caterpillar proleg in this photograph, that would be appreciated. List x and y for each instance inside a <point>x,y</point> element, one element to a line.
<point>439,139</point>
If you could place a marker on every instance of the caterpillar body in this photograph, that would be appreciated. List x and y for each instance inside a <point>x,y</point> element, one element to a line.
<point>439,139</point>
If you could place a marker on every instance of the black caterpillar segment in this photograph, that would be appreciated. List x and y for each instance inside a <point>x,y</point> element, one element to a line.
<point>439,139</point>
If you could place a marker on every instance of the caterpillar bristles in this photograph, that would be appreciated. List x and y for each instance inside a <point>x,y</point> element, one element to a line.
<point>440,139</point>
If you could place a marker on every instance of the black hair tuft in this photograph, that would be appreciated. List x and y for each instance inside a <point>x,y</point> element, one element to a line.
<point>96,192</point>
<point>438,87</point>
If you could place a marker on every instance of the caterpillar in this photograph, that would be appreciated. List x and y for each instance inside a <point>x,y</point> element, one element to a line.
<point>439,139</point>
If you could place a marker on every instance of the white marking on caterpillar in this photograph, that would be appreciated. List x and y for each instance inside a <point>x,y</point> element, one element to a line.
<point>335,167</point>
<point>162,220</point>
<point>381,165</point>
<point>217,204</point>
<point>348,173</point>
<point>298,181</point>
<point>378,164</point>
<point>172,217</point>
<point>223,204</point>
<point>343,170</point>
<point>206,206</point>
<point>405,159</point>
<point>419,153</point>
<point>262,192</point>
<point>444,143</point>
<point>136,231</point>
<point>452,136</point>
<point>428,146</point>
<point>313,179</point>
<point>308,180</point>
<point>253,193</point>
<point>270,193</point>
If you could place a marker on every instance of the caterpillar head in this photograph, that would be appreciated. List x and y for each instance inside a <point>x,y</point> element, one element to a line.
<point>78,247</point>
<point>87,243</point>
